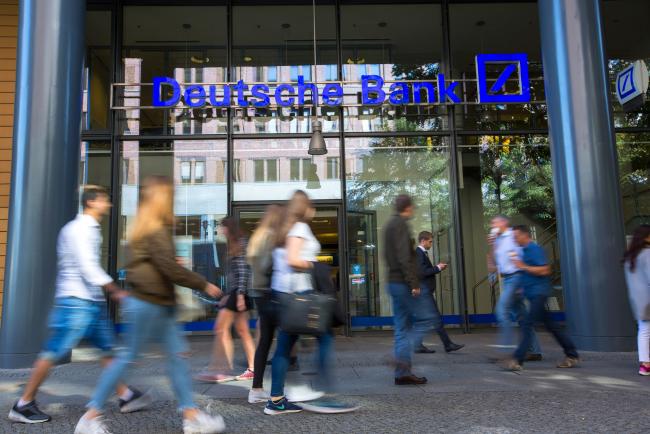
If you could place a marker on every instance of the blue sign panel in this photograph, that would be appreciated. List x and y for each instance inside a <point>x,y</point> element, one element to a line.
<point>625,83</point>
<point>511,66</point>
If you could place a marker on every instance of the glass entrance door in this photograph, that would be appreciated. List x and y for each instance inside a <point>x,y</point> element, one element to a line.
<point>326,226</point>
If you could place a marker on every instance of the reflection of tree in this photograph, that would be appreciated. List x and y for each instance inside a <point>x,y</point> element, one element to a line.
<point>634,163</point>
<point>517,178</point>
<point>393,165</point>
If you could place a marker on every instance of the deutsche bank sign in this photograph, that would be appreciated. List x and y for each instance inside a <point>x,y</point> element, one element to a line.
<point>372,90</point>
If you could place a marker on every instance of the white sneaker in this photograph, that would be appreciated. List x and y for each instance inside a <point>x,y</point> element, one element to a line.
<point>302,393</point>
<point>204,423</point>
<point>91,426</point>
<point>257,396</point>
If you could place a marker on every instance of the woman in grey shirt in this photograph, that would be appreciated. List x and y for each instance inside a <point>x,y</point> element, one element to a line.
<point>637,276</point>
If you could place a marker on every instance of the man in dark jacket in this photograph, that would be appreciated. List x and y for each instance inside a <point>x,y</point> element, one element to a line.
<point>427,274</point>
<point>411,321</point>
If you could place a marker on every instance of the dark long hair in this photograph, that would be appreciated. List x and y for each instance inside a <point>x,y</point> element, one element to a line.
<point>637,244</point>
<point>234,236</point>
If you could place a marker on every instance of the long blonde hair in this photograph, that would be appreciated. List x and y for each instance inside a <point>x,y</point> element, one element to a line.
<point>155,208</point>
<point>268,228</point>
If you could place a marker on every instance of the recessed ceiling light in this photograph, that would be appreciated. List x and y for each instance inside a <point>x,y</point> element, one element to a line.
<point>286,25</point>
<point>480,23</point>
<point>187,26</point>
<point>248,59</point>
<point>382,24</point>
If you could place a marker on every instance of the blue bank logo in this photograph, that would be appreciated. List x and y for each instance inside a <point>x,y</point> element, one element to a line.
<point>625,83</point>
<point>509,67</point>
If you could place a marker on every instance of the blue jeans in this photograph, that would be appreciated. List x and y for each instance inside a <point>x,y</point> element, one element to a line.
<point>511,308</point>
<point>413,317</point>
<point>73,319</point>
<point>280,363</point>
<point>538,313</point>
<point>147,322</point>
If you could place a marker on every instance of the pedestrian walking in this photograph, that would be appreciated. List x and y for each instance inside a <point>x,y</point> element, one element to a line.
<point>260,259</point>
<point>152,272</point>
<point>534,279</point>
<point>510,306</point>
<point>427,274</point>
<point>235,310</point>
<point>412,318</point>
<point>80,309</point>
<point>293,262</point>
<point>637,276</point>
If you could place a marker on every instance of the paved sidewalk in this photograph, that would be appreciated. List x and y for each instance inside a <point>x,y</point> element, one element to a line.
<point>465,393</point>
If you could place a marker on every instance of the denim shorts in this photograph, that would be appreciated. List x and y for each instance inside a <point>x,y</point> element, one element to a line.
<point>73,319</point>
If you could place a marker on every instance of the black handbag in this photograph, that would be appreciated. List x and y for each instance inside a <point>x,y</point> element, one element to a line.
<point>306,313</point>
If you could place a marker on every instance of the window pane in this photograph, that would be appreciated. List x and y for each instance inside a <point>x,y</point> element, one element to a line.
<point>476,29</point>
<point>199,171</point>
<point>396,41</point>
<point>280,181</point>
<point>634,172</point>
<point>279,40</point>
<point>197,207</point>
<point>187,43</point>
<point>97,71</point>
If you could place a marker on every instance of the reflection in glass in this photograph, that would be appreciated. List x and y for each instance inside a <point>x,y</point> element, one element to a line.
<point>634,163</point>
<point>271,169</point>
<point>508,175</point>
<point>198,168</point>
<point>97,71</point>
<point>378,169</point>
<point>187,43</point>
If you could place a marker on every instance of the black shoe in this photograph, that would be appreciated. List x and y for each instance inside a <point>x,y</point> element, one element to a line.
<point>424,350</point>
<point>533,357</point>
<point>28,413</point>
<point>410,379</point>
<point>453,347</point>
<point>137,402</point>
<point>293,364</point>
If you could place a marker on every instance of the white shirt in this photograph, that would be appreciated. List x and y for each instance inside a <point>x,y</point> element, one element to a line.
<point>504,244</point>
<point>78,251</point>
<point>284,278</point>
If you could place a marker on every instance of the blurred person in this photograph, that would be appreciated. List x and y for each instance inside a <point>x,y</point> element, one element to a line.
<point>235,306</point>
<point>637,277</point>
<point>536,284</point>
<point>412,317</point>
<point>427,274</point>
<point>150,309</point>
<point>510,307</point>
<point>260,259</point>
<point>293,262</point>
<point>80,309</point>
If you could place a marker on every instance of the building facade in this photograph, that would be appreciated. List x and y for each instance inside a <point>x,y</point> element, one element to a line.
<point>462,162</point>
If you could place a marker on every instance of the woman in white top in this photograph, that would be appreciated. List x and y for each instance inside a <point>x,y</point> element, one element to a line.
<point>637,275</point>
<point>292,266</point>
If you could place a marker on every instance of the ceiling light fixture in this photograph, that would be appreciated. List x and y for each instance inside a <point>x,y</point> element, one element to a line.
<point>317,144</point>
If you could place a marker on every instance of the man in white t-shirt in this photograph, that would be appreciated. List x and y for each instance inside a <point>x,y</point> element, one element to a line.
<point>80,309</point>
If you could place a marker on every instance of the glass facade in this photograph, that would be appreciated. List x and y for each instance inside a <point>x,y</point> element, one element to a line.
<point>462,164</point>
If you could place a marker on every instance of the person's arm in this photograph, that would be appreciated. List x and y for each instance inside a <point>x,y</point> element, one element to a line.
<point>87,260</point>
<point>163,257</point>
<point>426,268</point>
<point>538,266</point>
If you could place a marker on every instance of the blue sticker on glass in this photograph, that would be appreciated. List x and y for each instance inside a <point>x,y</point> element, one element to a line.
<point>625,83</point>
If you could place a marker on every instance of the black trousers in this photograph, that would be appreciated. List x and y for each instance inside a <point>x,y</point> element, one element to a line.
<point>438,326</point>
<point>266,309</point>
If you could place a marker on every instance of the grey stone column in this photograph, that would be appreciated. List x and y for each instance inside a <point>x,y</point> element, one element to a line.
<point>45,167</point>
<point>585,172</point>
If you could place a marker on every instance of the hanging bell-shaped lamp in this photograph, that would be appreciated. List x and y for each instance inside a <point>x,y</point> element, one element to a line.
<point>317,142</point>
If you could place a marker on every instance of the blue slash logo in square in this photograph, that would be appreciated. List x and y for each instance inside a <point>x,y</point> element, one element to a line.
<point>625,82</point>
<point>510,66</point>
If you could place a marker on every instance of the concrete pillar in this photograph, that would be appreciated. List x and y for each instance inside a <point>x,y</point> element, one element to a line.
<point>45,167</point>
<point>585,172</point>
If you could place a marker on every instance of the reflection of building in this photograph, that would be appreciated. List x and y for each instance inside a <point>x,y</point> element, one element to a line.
<point>462,165</point>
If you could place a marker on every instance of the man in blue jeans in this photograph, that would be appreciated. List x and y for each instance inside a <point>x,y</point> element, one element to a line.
<point>535,272</point>
<point>412,318</point>
<point>80,309</point>
<point>510,307</point>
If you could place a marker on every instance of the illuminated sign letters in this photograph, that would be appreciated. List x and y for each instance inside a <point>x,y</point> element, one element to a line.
<point>373,90</point>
